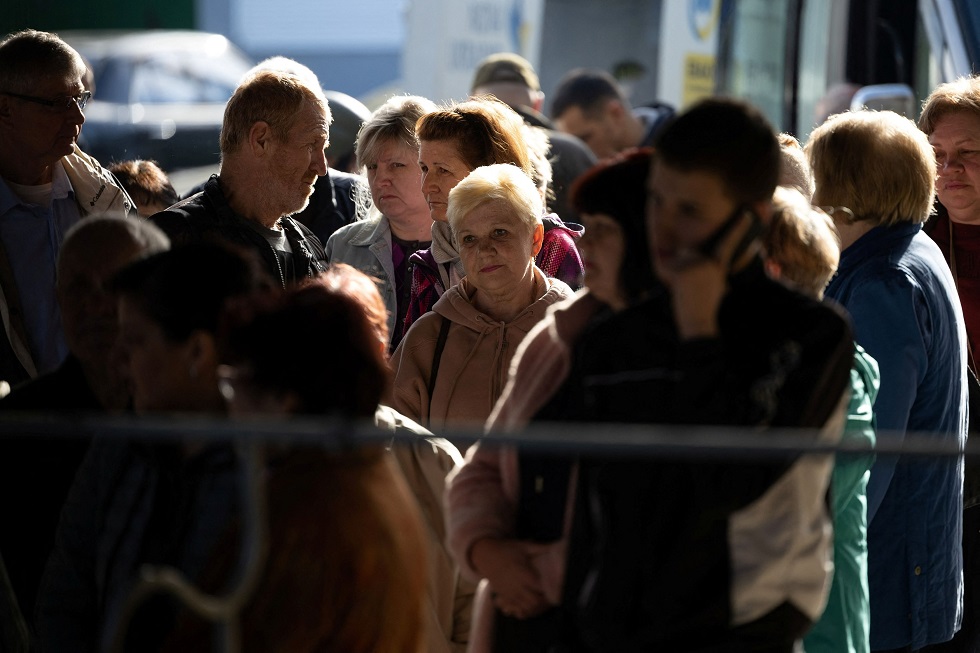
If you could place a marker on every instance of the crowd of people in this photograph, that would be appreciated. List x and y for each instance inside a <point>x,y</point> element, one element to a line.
<point>483,270</point>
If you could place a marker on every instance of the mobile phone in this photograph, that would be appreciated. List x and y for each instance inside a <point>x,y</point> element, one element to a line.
<point>709,246</point>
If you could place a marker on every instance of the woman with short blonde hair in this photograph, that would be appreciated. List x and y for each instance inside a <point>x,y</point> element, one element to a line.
<point>876,163</point>
<point>503,183</point>
<point>452,365</point>
<point>453,142</point>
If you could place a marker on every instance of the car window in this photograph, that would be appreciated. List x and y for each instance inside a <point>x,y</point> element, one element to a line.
<point>112,80</point>
<point>179,77</point>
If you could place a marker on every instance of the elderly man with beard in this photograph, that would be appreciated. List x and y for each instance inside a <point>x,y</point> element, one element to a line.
<point>275,129</point>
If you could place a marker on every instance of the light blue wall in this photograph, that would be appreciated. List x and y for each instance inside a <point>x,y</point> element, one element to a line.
<point>353,47</point>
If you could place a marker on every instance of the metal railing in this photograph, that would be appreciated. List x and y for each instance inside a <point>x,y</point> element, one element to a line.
<point>572,439</point>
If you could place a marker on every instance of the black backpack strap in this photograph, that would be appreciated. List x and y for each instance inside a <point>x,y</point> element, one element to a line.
<point>437,356</point>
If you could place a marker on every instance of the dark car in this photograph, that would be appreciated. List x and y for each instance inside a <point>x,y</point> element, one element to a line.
<point>157,94</point>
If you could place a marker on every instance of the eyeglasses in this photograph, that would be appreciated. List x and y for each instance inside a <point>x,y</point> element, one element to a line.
<point>64,103</point>
<point>831,210</point>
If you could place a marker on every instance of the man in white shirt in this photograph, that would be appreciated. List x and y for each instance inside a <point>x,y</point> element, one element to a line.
<point>46,185</point>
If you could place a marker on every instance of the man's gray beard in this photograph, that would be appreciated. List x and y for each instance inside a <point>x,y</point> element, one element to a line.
<point>306,203</point>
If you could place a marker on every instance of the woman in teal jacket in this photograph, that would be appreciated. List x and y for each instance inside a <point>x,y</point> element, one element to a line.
<point>803,251</point>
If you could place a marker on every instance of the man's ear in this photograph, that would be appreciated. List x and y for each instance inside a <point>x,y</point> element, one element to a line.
<point>538,103</point>
<point>260,137</point>
<point>202,353</point>
<point>538,237</point>
<point>615,109</point>
<point>763,209</point>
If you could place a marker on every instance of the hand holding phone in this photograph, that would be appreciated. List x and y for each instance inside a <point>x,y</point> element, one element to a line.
<point>714,245</point>
<point>700,279</point>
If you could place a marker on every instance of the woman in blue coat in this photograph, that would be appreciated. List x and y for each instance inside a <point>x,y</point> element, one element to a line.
<point>897,287</point>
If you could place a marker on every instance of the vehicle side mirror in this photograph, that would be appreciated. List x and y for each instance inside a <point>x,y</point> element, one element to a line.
<point>886,97</point>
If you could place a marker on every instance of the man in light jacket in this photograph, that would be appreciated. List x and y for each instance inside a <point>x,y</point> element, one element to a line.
<point>46,185</point>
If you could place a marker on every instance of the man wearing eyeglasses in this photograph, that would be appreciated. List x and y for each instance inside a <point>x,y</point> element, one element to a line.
<point>46,185</point>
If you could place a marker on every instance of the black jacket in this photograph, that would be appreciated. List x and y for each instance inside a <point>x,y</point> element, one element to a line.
<point>36,471</point>
<point>207,216</point>
<point>649,564</point>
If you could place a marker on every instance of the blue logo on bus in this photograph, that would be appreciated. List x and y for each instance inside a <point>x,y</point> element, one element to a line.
<point>702,17</point>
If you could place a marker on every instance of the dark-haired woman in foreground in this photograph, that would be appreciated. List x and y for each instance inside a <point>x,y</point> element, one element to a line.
<point>346,568</point>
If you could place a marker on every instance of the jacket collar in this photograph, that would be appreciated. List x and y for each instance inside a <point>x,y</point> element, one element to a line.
<point>370,231</point>
<point>880,237</point>
<point>225,216</point>
<point>96,189</point>
<point>80,176</point>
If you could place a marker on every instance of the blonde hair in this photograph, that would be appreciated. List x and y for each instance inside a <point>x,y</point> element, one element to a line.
<point>794,169</point>
<point>500,182</point>
<point>962,94</point>
<point>802,241</point>
<point>272,96</point>
<point>876,163</point>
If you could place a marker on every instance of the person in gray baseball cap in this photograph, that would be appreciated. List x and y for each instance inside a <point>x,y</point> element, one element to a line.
<point>511,78</point>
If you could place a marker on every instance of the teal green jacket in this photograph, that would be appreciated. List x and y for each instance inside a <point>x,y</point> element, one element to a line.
<point>846,622</point>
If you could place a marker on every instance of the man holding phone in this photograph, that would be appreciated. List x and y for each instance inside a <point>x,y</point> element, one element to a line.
<point>714,554</point>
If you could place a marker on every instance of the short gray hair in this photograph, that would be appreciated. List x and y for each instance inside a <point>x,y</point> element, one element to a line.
<point>394,120</point>
<point>272,96</point>
<point>29,54</point>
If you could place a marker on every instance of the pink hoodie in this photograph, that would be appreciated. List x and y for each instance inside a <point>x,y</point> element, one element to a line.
<point>482,495</point>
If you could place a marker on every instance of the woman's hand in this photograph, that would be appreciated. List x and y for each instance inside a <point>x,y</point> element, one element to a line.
<point>506,564</point>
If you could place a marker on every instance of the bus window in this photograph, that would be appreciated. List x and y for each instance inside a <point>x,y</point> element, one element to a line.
<point>821,88</point>
<point>755,66</point>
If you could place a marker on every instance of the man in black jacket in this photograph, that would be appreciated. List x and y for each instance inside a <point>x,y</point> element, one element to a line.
<point>706,554</point>
<point>272,140</point>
